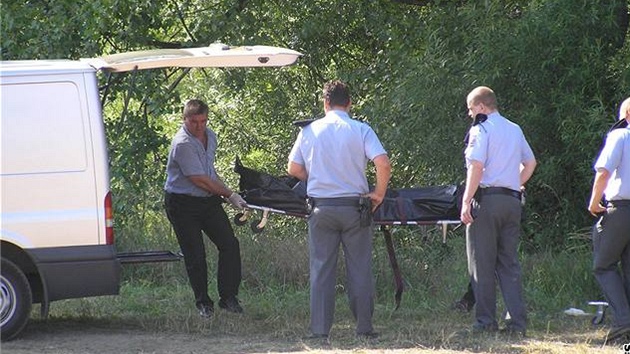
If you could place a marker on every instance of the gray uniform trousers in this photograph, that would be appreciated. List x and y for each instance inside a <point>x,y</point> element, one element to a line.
<point>492,249</point>
<point>328,227</point>
<point>611,244</point>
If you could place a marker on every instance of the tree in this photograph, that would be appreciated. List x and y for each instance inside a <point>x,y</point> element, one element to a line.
<point>559,67</point>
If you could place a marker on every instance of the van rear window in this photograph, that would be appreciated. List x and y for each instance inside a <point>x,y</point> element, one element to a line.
<point>42,128</point>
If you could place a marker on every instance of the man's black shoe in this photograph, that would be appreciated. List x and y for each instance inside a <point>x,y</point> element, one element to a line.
<point>368,335</point>
<point>621,332</point>
<point>317,339</point>
<point>487,328</point>
<point>513,331</point>
<point>231,304</point>
<point>316,336</point>
<point>463,305</point>
<point>205,310</point>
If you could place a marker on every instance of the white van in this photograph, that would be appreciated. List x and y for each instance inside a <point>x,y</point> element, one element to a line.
<point>56,219</point>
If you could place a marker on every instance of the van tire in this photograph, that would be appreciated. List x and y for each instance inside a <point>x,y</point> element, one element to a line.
<point>16,302</point>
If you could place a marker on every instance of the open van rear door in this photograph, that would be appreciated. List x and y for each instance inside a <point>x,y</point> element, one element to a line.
<point>216,55</point>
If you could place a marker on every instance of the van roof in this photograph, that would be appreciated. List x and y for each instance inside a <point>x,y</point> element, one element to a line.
<point>22,67</point>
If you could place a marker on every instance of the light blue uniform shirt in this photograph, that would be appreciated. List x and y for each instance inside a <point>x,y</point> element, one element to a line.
<point>335,151</point>
<point>615,158</point>
<point>501,147</point>
<point>188,157</point>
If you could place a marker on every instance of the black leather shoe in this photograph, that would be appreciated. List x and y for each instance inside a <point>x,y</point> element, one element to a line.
<point>487,328</point>
<point>463,305</point>
<point>616,333</point>
<point>317,339</point>
<point>205,310</point>
<point>513,331</point>
<point>231,304</point>
<point>368,335</point>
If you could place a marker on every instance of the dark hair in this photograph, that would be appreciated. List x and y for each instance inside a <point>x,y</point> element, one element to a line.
<point>336,93</point>
<point>194,107</point>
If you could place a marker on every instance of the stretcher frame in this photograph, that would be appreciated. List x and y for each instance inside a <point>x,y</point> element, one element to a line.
<point>258,225</point>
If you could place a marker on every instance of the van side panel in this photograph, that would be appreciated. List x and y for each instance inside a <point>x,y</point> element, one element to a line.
<point>49,186</point>
<point>54,178</point>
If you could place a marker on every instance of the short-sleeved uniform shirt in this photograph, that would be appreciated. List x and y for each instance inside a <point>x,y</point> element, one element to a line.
<point>615,158</point>
<point>335,151</point>
<point>501,147</point>
<point>188,157</point>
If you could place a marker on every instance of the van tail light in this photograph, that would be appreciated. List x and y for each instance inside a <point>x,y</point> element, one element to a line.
<point>109,220</point>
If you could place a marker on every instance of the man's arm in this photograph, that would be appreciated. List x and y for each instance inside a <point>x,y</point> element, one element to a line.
<point>599,185</point>
<point>298,171</point>
<point>527,171</point>
<point>213,186</point>
<point>383,174</point>
<point>473,178</point>
<point>217,187</point>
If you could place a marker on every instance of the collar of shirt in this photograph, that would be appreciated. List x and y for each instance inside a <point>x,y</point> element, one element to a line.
<point>495,116</point>
<point>194,138</point>
<point>337,114</point>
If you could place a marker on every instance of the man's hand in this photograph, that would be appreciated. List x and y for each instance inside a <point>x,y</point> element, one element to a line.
<point>237,201</point>
<point>596,209</point>
<point>376,200</point>
<point>466,214</point>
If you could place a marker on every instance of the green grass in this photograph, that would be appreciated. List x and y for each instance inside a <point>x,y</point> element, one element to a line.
<point>275,295</point>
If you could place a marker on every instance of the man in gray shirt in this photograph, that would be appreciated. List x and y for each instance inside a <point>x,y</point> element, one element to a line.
<point>611,234</point>
<point>499,162</point>
<point>193,197</point>
<point>331,154</point>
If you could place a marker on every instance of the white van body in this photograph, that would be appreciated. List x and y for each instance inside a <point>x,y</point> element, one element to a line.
<point>56,222</point>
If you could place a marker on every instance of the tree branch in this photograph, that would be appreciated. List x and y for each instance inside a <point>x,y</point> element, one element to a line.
<point>414,2</point>
<point>183,21</point>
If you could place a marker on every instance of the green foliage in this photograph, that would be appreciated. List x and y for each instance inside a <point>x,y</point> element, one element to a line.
<point>559,68</point>
<point>43,29</point>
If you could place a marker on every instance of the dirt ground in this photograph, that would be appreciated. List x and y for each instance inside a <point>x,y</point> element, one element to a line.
<point>86,335</point>
<point>91,338</point>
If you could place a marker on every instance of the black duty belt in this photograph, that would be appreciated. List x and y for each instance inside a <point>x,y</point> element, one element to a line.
<point>344,201</point>
<point>619,203</point>
<point>499,190</point>
<point>192,197</point>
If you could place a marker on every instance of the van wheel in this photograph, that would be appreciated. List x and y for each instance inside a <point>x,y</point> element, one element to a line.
<point>15,300</point>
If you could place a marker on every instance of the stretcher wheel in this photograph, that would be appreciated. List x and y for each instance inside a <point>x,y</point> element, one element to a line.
<point>240,219</point>
<point>255,228</point>
<point>600,313</point>
<point>599,317</point>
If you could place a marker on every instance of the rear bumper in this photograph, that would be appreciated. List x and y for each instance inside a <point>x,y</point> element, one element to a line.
<point>81,271</point>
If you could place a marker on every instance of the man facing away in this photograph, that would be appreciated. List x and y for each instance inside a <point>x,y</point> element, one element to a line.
<point>611,233</point>
<point>499,162</point>
<point>193,198</point>
<point>331,154</point>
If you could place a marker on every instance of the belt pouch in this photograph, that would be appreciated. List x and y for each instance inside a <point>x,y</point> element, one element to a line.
<point>365,211</point>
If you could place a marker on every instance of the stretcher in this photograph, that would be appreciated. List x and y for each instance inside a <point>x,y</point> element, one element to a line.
<point>266,195</point>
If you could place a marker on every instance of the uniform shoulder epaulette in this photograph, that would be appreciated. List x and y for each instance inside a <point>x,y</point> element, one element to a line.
<point>303,123</point>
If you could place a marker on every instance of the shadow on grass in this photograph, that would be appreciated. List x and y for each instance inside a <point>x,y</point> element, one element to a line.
<point>231,333</point>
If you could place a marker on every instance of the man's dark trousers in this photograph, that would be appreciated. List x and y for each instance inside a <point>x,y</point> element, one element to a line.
<point>611,244</point>
<point>492,246</point>
<point>189,216</point>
